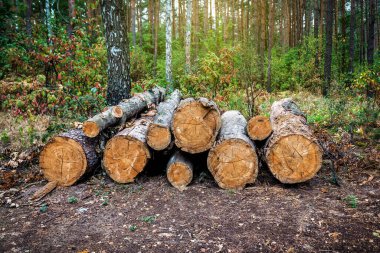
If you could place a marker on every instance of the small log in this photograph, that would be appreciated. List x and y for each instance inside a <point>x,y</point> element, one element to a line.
<point>196,124</point>
<point>123,111</point>
<point>127,153</point>
<point>159,136</point>
<point>68,156</point>
<point>179,170</point>
<point>292,153</point>
<point>259,128</point>
<point>233,160</point>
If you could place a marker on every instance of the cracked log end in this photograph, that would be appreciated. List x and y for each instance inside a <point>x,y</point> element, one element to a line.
<point>117,111</point>
<point>124,158</point>
<point>294,159</point>
<point>158,137</point>
<point>63,160</point>
<point>259,128</point>
<point>179,175</point>
<point>91,129</point>
<point>195,127</point>
<point>233,163</point>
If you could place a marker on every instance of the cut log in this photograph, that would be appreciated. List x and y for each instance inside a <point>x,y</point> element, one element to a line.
<point>179,170</point>
<point>233,160</point>
<point>292,153</point>
<point>196,124</point>
<point>123,111</point>
<point>159,135</point>
<point>127,153</point>
<point>259,128</point>
<point>68,156</point>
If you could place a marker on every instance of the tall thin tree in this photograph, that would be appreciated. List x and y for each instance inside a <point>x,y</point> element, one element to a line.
<point>133,22</point>
<point>352,35</point>
<point>188,36</point>
<point>328,45</point>
<point>169,43</point>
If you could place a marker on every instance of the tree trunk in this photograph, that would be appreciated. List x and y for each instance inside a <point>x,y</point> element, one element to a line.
<point>174,32</point>
<point>116,32</point>
<point>156,27</point>
<point>127,153</point>
<point>292,153</point>
<point>133,21</point>
<point>259,128</point>
<point>188,37</point>
<point>233,160</point>
<point>371,32</point>
<point>196,124</point>
<point>48,18</point>
<point>140,23</point>
<point>68,156</point>
<point>169,44</point>
<point>316,32</point>
<point>270,43</point>
<point>352,35</point>
<point>343,22</point>
<point>159,136</point>
<point>328,47</point>
<point>71,4</point>
<point>28,18</point>
<point>179,170</point>
<point>126,109</point>
<point>205,17</point>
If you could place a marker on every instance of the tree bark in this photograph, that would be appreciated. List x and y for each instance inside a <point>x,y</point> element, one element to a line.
<point>205,16</point>
<point>328,46</point>
<point>156,27</point>
<point>169,44</point>
<point>159,135</point>
<point>352,35</point>
<point>371,32</point>
<point>126,109</point>
<point>292,153</point>
<point>316,32</point>
<point>28,18</point>
<point>195,125</point>
<point>188,37</point>
<point>270,43</point>
<point>259,128</point>
<point>71,4</point>
<point>179,170</point>
<point>233,160</point>
<point>116,33</point>
<point>133,21</point>
<point>127,153</point>
<point>69,156</point>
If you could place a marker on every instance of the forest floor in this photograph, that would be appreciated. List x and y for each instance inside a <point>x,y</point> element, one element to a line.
<point>98,215</point>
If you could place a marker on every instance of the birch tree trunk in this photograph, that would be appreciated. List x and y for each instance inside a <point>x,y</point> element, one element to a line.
<point>188,37</point>
<point>116,32</point>
<point>169,43</point>
<point>48,20</point>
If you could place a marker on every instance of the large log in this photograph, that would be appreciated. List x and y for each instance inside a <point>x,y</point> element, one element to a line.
<point>196,124</point>
<point>127,153</point>
<point>233,160</point>
<point>179,170</point>
<point>292,153</point>
<point>159,135</point>
<point>68,156</point>
<point>259,128</point>
<point>123,111</point>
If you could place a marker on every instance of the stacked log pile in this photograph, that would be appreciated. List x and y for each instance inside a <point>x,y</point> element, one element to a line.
<point>187,127</point>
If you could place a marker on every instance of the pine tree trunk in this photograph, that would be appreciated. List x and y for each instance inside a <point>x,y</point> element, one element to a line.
<point>292,153</point>
<point>328,46</point>
<point>371,32</point>
<point>133,21</point>
<point>344,39</point>
<point>28,17</point>
<point>156,27</point>
<point>116,33</point>
<point>270,43</point>
<point>205,16</point>
<point>179,170</point>
<point>188,37</point>
<point>233,160</point>
<point>169,44</point>
<point>316,32</point>
<point>352,35</point>
<point>195,125</point>
<point>127,153</point>
<point>69,156</point>
<point>159,135</point>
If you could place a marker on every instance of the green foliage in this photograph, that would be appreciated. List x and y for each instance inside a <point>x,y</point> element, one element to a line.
<point>149,219</point>
<point>132,228</point>
<point>44,207</point>
<point>72,200</point>
<point>351,201</point>
<point>4,137</point>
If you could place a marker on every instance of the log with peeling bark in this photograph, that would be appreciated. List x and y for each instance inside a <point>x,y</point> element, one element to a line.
<point>259,128</point>
<point>68,156</point>
<point>179,170</point>
<point>292,153</point>
<point>233,160</point>
<point>123,111</point>
<point>196,124</point>
<point>159,135</point>
<point>127,153</point>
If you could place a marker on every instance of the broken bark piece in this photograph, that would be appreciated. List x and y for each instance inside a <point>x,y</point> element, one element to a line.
<point>45,190</point>
<point>196,124</point>
<point>127,153</point>
<point>159,135</point>
<point>233,160</point>
<point>179,170</point>
<point>292,153</point>
<point>259,128</point>
<point>123,111</point>
<point>68,156</point>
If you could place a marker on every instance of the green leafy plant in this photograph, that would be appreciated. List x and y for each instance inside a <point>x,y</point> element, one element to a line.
<point>72,200</point>
<point>132,228</point>
<point>351,201</point>
<point>149,219</point>
<point>44,208</point>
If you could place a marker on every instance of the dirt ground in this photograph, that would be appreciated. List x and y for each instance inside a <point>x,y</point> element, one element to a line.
<point>98,215</point>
